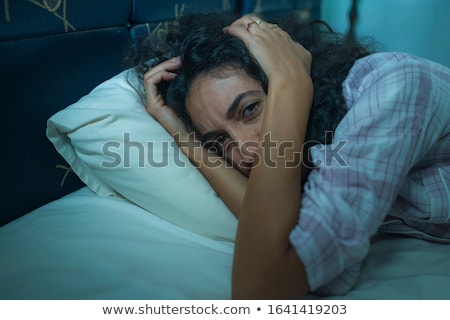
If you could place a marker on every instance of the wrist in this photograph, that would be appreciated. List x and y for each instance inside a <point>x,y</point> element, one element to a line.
<point>295,83</point>
<point>293,92</point>
<point>289,78</point>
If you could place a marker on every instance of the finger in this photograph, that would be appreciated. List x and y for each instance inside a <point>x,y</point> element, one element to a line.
<point>151,82</point>
<point>258,23</point>
<point>274,26</point>
<point>156,78</point>
<point>169,65</point>
<point>247,26</point>
<point>244,21</point>
<point>240,28</point>
<point>262,25</point>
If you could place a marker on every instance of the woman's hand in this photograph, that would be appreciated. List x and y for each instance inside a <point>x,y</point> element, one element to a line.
<point>155,103</point>
<point>272,47</point>
<point>227,182</point>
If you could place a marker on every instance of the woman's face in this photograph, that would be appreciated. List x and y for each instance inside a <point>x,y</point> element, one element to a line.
<point>226,109</point>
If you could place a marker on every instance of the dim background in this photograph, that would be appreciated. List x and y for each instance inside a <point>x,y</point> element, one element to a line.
<point>420,27</point>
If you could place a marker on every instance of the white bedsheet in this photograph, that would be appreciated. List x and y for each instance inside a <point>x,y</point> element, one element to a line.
<point>87,247</point>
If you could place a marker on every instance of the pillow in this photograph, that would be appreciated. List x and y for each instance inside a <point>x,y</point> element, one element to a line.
<point>118,150</point>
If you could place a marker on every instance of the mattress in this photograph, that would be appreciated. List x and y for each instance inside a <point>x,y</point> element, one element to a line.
<point>84,246</point>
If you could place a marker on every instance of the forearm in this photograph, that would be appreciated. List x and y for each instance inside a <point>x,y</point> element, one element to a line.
<point>265,265</point>
<point>228,182</point>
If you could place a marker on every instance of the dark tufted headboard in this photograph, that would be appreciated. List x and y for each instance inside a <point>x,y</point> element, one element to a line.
<point>52,52</point>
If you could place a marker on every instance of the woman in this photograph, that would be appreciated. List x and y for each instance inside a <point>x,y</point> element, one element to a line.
<point>266,100</point>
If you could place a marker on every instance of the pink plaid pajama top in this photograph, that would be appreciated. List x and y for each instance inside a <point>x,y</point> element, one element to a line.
<point>387,169</point>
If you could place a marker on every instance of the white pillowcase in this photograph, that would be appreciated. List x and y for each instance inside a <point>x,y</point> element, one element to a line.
<point>119,150</point>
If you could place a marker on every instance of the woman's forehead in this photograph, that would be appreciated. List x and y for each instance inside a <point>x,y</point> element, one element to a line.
<point>210,97</point>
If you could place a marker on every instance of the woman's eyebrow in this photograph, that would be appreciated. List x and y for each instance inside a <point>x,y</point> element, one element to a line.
<point>231,111</point>
<point>237,101</point>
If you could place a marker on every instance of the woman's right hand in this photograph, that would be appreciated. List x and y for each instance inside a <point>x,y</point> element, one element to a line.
<point>272,47</point>
<point>155,104</point>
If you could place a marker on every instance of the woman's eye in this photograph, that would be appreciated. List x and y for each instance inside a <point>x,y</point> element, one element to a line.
<point>219,144</point>
<point>250,110</point>
<point>221,140</point>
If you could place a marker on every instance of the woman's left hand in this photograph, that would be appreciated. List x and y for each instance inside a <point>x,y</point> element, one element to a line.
<point>271,46</point>
<point>155,104</point>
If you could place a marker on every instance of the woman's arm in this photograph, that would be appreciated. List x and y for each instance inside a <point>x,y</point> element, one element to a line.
<point>265,263</point>
<point>227,182</point>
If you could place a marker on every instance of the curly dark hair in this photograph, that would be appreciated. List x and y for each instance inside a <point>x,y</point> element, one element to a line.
<point>204,47</point>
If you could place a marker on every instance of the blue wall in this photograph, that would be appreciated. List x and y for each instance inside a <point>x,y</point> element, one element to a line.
<point>420,27</point>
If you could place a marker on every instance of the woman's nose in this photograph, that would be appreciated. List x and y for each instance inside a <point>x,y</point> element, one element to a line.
<point>244,156</point>
<point>248,150</point>
<point>247,142</point>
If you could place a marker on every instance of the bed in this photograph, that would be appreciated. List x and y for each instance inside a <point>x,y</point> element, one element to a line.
<point>88,247</point>
<point>117,211</point>
<point>148,226</point>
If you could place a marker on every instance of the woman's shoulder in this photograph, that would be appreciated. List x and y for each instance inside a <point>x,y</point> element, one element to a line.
<point>386,59</point>
<point>394,68</point>
<point>383,84</point>
<point>392,62</point>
